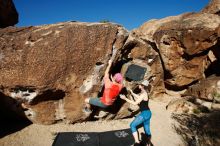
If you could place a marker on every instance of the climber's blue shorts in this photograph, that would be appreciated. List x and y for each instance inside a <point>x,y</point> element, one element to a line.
<point>97,102</point>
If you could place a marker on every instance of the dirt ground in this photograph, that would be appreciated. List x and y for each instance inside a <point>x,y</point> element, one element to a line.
<point>162,130</point>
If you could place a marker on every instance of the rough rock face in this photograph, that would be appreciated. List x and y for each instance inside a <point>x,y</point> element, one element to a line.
<point>213,7</point>
<point>50,69</point>
<point>203,88</point>
<point>53,68</point>
<point>144,52</point>
<point>181,106</point>
<point>8,13</point>
<point>183,46</point>
<point>183,42</point>
<point>146,65</point>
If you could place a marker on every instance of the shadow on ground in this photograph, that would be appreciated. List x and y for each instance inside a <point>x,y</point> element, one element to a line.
<point>199,130</point>
<point>145,139</point>
<point>8,127</point>
<point>12,117</point>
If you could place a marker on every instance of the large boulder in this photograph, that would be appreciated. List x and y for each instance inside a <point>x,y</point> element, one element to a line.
<point>213,7</point>
<point>49,70</point>
<point>183,42</point>
<point>52,68</point>
<point>203,88</point>
<point>143,54</point>
<point>8,13</point>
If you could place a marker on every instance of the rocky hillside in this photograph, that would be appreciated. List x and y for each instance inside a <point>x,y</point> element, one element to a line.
<point>52,68</point>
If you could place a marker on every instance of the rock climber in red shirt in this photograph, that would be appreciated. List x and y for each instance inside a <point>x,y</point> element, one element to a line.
<point>112,89</point>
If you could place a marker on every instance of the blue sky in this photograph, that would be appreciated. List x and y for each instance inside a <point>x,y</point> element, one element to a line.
<point>129,13</point>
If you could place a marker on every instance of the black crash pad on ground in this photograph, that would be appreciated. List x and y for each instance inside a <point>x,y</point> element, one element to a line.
<point>135,73</point>
<point>110,138</point>
<point>116,138</point>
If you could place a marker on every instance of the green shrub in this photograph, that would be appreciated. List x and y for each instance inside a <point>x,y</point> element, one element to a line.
<point>196,111</point>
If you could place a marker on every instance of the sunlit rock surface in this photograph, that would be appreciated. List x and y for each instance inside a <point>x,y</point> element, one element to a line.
<point>213,7</point>
<point>183,43</point>
<point>47,71</point>
<point>52,68</point>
